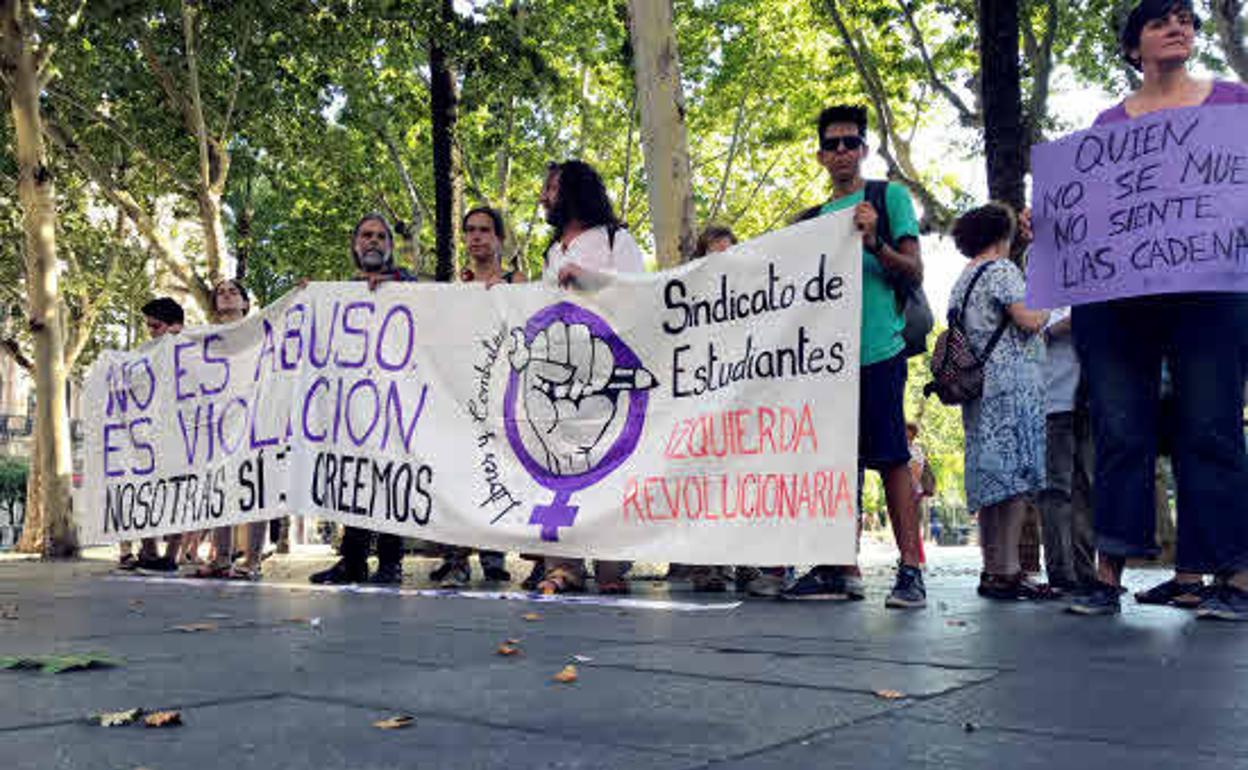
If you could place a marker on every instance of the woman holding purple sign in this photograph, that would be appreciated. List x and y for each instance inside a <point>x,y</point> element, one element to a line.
<point>1201,337</point>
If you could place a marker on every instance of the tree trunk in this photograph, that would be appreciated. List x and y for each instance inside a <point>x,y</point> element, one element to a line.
<point>53,516</point>
<point>1229,25</point>
<point>442,108</point>
<point>1004,133</point>
<point>663,135</point>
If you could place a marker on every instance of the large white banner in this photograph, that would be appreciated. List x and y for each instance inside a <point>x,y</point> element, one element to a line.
<point>706,414</point>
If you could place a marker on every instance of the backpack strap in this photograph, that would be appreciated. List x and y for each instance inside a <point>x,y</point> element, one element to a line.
<point>876,193</point>
<point>1001,326</point>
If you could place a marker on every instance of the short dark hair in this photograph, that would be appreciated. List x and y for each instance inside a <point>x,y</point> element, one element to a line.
<point>713,233</point>
<point>242,290</point>
<point>164,309</point>
<point>493,214</point>
<point>582,198</point>
<point>1144,12</point>
<point>980,228</point>
<point>843,113</point>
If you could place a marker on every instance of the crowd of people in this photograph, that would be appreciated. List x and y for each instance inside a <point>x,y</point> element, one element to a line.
<point>1075,404</point>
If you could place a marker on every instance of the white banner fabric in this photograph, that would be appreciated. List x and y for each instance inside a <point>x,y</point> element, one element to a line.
<point>705,414</point>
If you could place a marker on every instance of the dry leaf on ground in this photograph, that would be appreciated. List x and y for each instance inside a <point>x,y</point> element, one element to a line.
<point>163,719</point>
<point>531,616</point>
<point>508,650</point>
<point>889,694</point>
<point>191,628</point>
<point>396,722</point>
<point>566,675</point>
<point>119,718</point>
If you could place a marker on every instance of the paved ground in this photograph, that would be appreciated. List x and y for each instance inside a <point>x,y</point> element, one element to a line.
<point>286,678</point>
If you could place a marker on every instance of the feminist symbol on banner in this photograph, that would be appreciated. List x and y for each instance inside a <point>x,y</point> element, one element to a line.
<point>575,405</point>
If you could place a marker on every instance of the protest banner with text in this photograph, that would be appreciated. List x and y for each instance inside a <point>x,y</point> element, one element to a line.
<point>1153,205</point>
<point>706,414</point>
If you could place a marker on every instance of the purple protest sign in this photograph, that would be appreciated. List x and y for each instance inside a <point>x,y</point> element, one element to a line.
<point>1154,205</point>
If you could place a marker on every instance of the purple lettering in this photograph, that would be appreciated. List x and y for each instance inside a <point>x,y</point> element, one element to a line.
<point>355,331</point>
<point>178,371</point>
<point>381,338</point>
<point>223,363</point>
<point>356,439</point>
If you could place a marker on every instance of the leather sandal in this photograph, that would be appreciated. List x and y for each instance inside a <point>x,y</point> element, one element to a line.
<point>560,580</point>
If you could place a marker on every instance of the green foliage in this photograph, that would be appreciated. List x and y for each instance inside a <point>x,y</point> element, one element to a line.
<point>57,664</point>
<point>13,474</point>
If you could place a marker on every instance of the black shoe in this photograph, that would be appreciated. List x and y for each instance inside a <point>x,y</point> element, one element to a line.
<point>496,575</point>
<point>156,564</point>
<point>442,570</point>
<point>387,575</point>
<point>1100,599</point>
<point>341,573</point>
<point>535,576</point>
<point>820,584</point>
<point>908,591</point>
<point>1176,594</point>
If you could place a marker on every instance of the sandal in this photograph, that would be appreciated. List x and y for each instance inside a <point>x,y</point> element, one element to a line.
<point>560,580</point>
<point>614,588</point>
<point>1175,594</point>
<point>213,572</point>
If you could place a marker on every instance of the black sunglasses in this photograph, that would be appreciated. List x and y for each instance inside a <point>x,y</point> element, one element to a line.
<point>835,143</point>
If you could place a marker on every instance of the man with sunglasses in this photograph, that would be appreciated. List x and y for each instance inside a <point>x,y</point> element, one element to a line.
<point>890,258</point>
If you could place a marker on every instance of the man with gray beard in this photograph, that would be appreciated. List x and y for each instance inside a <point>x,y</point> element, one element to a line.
<point>372,251</point>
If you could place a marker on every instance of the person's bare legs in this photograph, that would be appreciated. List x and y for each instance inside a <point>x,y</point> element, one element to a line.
<point>903,513</point>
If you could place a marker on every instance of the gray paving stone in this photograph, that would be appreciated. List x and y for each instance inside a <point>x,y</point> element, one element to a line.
<point>680,714</point>
<point>1157,706</point>
<point>298,734</point>
<point>900,743</point>
<point>793,669</point>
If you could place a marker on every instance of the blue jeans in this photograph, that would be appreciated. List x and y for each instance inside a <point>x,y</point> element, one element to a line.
<point>1204,338</point>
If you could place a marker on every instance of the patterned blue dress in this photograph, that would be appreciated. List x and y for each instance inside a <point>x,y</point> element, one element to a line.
<point>1004,427</point>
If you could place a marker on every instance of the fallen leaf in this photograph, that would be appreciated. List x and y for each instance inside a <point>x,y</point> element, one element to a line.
<point>508,650</point>
<point>119,718</point>
<point>531,616</point>
<point>191,628</point>
<point>396,722</point>
<point>889,694</point>
<point>566,675</point>
<point>163,719</point>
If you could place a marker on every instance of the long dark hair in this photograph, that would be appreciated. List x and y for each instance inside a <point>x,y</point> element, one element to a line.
<point>582,198</point>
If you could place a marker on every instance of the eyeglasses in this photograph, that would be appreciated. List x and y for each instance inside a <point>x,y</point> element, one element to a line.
<point>835,143</point>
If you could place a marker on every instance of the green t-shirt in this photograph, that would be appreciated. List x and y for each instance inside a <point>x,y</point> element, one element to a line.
<point>881,321</point>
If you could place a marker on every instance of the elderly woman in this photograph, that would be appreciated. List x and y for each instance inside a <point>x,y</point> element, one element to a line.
<point>1201,337</point>
<point>1004,427</point>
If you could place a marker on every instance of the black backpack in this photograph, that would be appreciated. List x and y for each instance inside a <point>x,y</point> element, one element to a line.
<point>957,370</point>
<point>911,300</point>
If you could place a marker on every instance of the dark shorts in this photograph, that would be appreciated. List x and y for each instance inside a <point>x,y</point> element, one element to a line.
<point>882,415</point>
